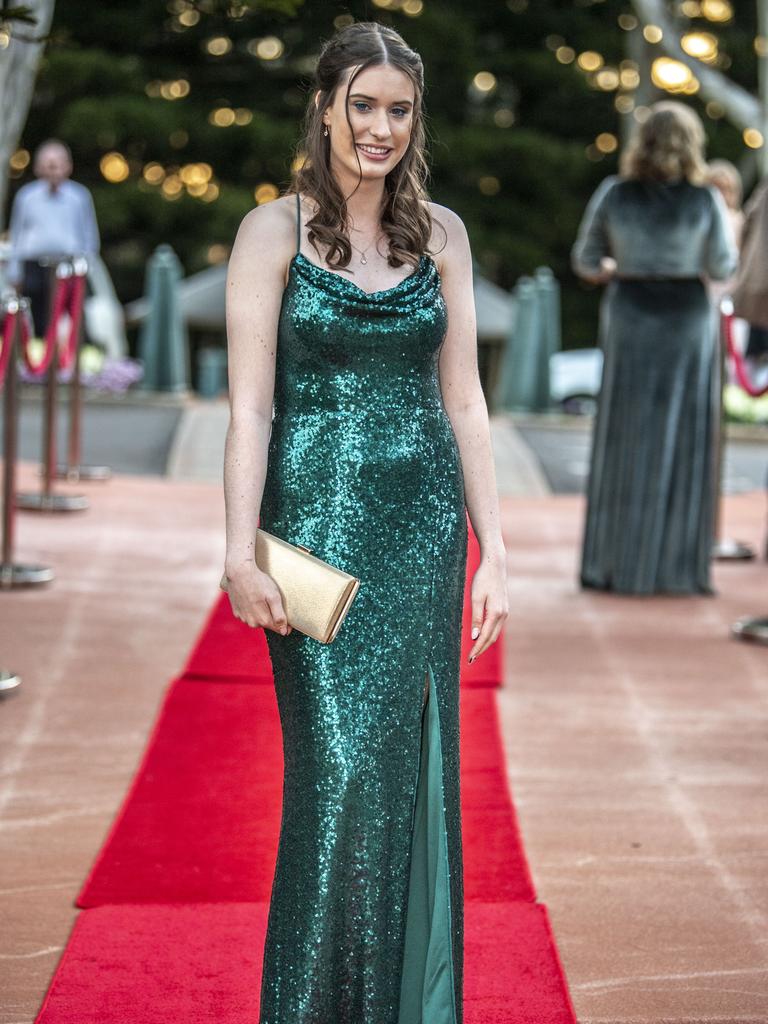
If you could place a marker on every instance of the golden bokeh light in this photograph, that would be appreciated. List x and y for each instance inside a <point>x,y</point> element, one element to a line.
<point>607,142</point>
<point>196,174</point>
<point>265,192</point>
<point>702,45</point>
<point>172,187</point>
<point>607,79</point>
<point>266,48</point>
<point>489,185</point>
<point>218,46</point>
<point>217,253</point>
<point>19,160</point>
<point>114,167</point>
<point>589,60</point>
<point>717,10</point>
<point>671,75</point>
<point>752,138</point>
<point>222,117</point>
<point>565,54</point>
<point>484,81</point>
<point>504,117</point>
<point>153,173</point>
<point>652,34</point>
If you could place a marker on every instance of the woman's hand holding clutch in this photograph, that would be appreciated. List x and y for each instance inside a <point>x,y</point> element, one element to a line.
<point>255,598</point>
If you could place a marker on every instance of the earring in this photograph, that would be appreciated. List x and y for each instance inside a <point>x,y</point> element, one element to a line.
<point>325,129</point>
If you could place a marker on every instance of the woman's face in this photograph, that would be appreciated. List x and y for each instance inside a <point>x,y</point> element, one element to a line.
<point>380,108</point>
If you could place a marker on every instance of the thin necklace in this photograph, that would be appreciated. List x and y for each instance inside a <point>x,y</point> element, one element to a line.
<point>362,252</point>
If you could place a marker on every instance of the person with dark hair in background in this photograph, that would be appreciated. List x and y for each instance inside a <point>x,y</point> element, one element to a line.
<point>53,216</point>
<point>653,234</point>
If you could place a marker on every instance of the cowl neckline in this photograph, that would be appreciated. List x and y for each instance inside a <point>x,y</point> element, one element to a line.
<point>425,273</point>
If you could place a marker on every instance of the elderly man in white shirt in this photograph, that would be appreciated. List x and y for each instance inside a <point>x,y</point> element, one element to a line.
<point>50,217</point>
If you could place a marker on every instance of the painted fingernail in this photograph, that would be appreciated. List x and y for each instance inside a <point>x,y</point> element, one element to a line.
<point>475,632</point>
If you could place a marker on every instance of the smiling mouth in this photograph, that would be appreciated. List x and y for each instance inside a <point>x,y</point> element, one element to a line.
<point>374,150</point>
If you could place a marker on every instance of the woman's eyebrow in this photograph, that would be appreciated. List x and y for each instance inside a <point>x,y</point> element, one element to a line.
<point>399,103</point>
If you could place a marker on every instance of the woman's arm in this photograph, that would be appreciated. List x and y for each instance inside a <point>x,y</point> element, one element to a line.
<point>591,255</point>
<point>466,407</point>
<point>255,282</point>
<point>721,256</point>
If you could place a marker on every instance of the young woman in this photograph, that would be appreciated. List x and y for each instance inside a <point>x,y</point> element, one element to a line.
<point>338,313</point>
<point>653,234</point>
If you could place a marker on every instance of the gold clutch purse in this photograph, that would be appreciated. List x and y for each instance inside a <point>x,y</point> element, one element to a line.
<point>316,595</point>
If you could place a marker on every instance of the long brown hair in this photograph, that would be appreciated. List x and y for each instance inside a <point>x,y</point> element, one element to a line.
<point>405,216</point>
<point>669,144</point>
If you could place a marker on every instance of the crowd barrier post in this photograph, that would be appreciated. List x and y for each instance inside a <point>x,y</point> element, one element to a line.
<point>753,629</point>
<point>72,470</point>
<point>724,549</point>
<point>12,574</point>
<point>61,272</point>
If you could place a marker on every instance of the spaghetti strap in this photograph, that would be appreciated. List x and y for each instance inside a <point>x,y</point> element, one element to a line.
<point>298,223</point>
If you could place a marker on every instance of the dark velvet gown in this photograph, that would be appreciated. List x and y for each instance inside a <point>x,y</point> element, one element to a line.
<point>651,490</point>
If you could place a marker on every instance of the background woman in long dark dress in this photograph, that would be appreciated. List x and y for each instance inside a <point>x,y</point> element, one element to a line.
<point>653,234</point>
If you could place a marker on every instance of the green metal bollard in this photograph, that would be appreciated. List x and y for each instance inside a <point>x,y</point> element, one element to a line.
<point>551,334</point>
<point>518,378</point>
<point>163,342</point>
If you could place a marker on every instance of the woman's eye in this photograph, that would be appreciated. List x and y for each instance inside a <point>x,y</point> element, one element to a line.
<point>359,103</point>
<point>400,111</point>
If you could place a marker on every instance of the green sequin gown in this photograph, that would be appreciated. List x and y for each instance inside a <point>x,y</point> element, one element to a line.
<point>366,919</point>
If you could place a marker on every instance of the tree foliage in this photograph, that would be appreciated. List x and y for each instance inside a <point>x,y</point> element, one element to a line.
<point>516,161</point>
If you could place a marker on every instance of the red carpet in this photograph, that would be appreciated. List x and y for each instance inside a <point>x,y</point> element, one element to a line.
<point>179,892</point>
<point>202,818</point>
<point>201,963</point>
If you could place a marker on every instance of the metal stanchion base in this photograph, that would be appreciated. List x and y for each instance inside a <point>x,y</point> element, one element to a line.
<point>14,574</point>
<point>76,473</point>
<point>52,502</point>
<point>754,630</point>
<point>9,681</point>
<point>732,551</point>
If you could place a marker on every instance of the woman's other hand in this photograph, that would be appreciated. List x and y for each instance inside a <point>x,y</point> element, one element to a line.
<point>490,606</point>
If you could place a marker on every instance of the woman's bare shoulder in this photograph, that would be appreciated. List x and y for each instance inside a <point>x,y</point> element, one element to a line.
<point>449,241</point>
<point>269,231</point>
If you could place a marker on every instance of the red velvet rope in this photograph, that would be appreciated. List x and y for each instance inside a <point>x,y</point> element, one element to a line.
<point>76,297</point>
<point>60,303</point>
<point>738,360</point>
<point>9,327</point>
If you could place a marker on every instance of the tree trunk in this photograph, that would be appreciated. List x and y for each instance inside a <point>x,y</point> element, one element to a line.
<point>741,107</point>
<point>18,70</point>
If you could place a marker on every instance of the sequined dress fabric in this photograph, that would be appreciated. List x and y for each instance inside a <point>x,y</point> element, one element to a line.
<point>366,914</point>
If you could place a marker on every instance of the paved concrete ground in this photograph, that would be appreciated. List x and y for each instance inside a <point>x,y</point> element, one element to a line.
<point>635,732</point>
